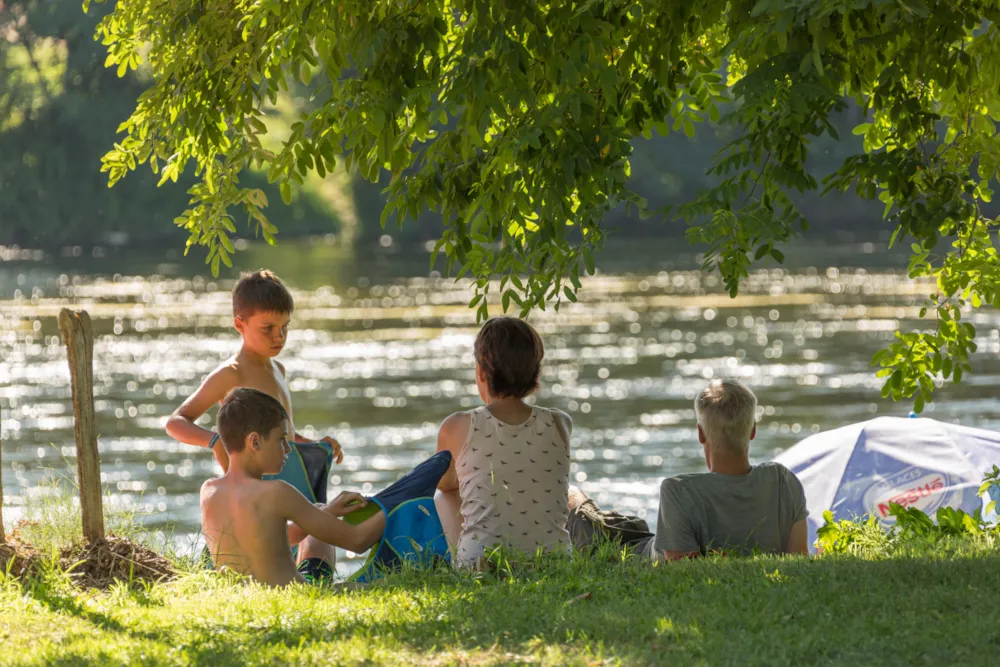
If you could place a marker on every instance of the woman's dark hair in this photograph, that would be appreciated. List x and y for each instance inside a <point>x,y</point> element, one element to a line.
<point>510,353</point>
<point>245,411</point>
<point>261,292</point>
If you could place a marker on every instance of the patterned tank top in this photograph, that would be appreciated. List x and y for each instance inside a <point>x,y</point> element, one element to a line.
<point>513,480</point>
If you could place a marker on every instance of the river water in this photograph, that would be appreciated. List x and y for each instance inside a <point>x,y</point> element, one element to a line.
<point>380,351</point>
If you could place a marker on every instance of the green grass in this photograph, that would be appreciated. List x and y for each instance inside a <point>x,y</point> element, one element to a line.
<point>894,600</point>
<point>52,520</point>
<point>930,608</point>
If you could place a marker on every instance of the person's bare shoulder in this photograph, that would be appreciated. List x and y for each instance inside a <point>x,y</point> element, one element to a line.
<point>212,390</point>
<point>227,377</point>
<point>452,435</point>
<point>227,373</point>
<point>208,489</point>
<point>453,431</point>
<point>270,489</point>
<point>279,498</point>
<point>235,362</point>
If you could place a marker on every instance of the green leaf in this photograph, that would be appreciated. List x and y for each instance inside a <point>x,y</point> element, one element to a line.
<point>286,192</point>
<point>609,81</point>
<point>896,380</point>
<point>817,60</point>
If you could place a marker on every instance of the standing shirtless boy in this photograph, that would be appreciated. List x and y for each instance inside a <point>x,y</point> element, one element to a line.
<point>262,309</point>
<point>249,523</point>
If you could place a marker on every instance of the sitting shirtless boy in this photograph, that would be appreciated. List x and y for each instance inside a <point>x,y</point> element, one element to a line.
<point>262,309</point>
<point>250,523</point>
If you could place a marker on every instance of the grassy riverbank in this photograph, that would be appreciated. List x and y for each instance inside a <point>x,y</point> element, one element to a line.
<point>896,603</point>
<point>907,610</point>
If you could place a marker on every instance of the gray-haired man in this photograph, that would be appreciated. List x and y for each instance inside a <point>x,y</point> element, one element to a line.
<point>733,508</point>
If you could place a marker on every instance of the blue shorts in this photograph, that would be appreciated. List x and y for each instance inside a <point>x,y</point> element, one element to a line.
<point>316,571</point>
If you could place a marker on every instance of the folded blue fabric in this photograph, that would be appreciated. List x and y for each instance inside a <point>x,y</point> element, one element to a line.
<point>413,531</point>
<point>308,469</point>
<point>421,482</point>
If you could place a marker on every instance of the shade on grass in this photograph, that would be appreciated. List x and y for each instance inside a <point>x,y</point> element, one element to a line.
<point>934,608</point>
<point>900,600</point>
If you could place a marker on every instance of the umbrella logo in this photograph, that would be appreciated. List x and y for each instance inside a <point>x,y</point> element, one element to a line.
<point>913,487</point>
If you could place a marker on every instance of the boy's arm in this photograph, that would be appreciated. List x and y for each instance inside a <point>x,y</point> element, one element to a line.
<point>345,503</point>
<point>324,526</point>
<point>181,424</point>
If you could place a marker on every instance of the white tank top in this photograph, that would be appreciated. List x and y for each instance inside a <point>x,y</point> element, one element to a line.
<point>513,480</point>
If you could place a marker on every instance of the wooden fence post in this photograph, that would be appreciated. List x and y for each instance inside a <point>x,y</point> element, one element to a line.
<point>78,334</point>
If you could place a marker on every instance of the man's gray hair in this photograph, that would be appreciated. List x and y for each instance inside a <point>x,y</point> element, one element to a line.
<point>726,411</point>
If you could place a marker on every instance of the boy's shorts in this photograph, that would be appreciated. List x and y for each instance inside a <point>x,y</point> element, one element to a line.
<point>316,571</point>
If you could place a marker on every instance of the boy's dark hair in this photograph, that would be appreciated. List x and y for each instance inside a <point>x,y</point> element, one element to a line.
<point>245,411</point>
<point>510,353</point>
<point>261,292</point>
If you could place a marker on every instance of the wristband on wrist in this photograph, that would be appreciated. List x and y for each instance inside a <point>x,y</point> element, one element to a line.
<point>215,438</point>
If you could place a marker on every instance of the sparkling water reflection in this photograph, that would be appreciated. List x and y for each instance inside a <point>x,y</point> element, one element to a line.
<point>377,357</point>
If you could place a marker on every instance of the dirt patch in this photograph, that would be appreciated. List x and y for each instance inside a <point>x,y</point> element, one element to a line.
<point>96,565</point>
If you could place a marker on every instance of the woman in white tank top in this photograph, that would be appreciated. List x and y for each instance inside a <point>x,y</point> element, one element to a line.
<point>509,478</point>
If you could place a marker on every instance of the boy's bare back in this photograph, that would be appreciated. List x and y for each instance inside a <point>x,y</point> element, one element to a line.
<point>245,526</point>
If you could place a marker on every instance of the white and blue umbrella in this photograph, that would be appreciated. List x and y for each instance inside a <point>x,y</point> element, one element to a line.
<point>858,470</point>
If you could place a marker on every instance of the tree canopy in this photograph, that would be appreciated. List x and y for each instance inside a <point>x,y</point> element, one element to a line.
<point>59,107</point>
<point>513,120</point>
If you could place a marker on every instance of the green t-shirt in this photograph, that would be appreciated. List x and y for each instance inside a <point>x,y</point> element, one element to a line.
<point>733,513</point>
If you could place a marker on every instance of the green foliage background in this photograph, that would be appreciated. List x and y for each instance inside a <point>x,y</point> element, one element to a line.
<point>60,107</point>
<point>59,111</point>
